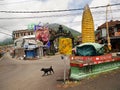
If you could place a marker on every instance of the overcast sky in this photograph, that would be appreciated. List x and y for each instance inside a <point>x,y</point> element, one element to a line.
<point>72,19</point>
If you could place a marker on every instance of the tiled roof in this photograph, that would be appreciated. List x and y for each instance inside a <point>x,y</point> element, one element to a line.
<point>110,24</point>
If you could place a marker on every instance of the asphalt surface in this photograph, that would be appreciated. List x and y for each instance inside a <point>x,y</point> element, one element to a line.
<point>27,75</point>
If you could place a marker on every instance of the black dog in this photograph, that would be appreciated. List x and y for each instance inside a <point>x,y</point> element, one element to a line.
<point>47,70</point>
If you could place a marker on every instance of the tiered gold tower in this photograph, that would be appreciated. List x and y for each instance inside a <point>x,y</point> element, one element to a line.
<point>88,34</point>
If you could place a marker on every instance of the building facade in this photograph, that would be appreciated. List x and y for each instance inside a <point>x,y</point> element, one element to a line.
<point>26,46</point>
<point>114,33</point>
<point>21,33</point>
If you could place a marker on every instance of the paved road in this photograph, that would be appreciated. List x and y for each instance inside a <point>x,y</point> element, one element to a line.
<point>26,75</point>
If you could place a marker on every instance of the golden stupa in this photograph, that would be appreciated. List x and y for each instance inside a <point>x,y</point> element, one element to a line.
<point>88,34</point>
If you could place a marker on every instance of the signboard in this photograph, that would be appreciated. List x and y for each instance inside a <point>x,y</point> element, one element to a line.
<point>65,46</point>
<point>34,26</point>
<point>31,26</point>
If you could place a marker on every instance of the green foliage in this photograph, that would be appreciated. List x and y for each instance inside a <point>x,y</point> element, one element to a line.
<point>7,41</point>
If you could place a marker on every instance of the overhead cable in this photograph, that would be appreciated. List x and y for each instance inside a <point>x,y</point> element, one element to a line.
<point>4,11</point>
<point>53,16</point>
<point>6,33</point>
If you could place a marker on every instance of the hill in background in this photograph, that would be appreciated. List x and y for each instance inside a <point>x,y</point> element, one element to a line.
<point>55,27</point>
<point>7,41</point>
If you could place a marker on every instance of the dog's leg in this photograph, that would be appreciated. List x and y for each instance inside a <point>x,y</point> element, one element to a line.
<point>47,73</point>
<point>43,74</point>
<point>52,71</point>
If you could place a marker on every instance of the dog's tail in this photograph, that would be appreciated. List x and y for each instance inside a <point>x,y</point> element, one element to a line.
<point>50,66</point>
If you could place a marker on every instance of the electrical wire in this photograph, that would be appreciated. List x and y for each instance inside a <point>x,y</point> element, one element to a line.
<point>58,10</point>
<point>59,15</point>
<point>54,16</point>
<point>6,33</point>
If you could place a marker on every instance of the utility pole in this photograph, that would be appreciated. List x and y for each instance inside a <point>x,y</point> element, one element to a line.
<point>107,28</point>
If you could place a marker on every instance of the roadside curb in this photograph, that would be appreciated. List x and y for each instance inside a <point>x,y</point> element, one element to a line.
<point>43,58</point>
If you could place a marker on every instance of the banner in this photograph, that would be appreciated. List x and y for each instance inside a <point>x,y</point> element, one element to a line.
<point>65,46</point>
<point>42,34</point>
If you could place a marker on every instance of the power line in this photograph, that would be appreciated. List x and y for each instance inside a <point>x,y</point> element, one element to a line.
<point>57,15</point>
<point>4,28</point>
<point>60,15</point>
<point>57,10</point>
<point>6,33</point>
<point>76,22</point>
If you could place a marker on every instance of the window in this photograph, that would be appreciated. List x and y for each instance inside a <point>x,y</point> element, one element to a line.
<point>103,32</point>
